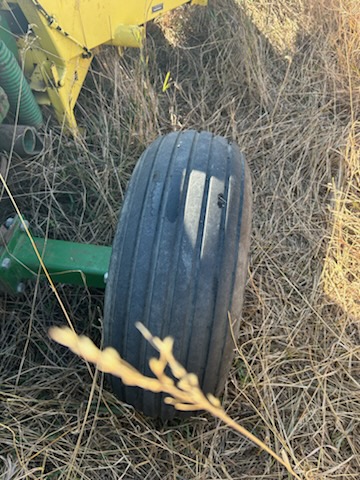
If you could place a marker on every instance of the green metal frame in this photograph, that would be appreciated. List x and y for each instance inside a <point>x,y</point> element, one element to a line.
<point>67,262</point>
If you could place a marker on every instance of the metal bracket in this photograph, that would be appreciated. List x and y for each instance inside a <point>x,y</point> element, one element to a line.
<point>67,262</point>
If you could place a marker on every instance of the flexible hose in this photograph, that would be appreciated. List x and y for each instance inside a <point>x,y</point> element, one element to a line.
<point>14,83</point>
<point>4,105</point>
<point>24,140</point>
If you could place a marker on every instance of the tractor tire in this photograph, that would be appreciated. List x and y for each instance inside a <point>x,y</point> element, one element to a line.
<point>179,261</point>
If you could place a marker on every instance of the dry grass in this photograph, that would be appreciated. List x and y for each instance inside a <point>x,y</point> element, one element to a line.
<point>282,79</point>
<point>182,388</point>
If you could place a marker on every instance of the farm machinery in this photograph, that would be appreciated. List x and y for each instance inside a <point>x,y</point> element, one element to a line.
<point>179,256</point>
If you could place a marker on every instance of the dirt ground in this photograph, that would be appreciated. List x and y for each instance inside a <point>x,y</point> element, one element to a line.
<point>282,79</point>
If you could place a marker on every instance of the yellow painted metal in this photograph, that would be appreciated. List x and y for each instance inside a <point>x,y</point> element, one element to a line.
<point>64,35</point>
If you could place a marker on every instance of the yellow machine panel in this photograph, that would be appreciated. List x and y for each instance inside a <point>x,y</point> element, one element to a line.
<point>62,35</point>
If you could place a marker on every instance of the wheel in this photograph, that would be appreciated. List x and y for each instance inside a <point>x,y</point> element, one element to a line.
<point>179,260</point>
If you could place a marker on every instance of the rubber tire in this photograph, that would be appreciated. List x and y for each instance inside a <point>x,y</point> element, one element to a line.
<point>179,260</point>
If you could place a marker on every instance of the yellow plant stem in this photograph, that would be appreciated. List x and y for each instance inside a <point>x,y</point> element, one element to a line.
<point>185,393</point>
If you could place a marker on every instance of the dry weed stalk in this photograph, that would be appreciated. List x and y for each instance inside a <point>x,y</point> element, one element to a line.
<point>184,393</point>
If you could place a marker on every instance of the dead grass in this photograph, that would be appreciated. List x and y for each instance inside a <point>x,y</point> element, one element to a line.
<point>282,79</point>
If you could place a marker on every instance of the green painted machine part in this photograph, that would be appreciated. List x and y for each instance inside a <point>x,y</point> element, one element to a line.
<point>17,88</point>
<point>67,262</point>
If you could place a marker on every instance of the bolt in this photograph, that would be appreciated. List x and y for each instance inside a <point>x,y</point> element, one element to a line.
<point>20,288</point>
<point>86,54</point>
<point>9,222</point>
<point>6,263</point>
<point>106,276</point>
<point>22,226</point>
